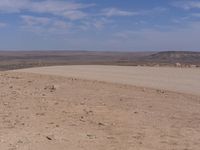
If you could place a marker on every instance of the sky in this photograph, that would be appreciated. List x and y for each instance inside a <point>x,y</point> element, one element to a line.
<point>103,25</point>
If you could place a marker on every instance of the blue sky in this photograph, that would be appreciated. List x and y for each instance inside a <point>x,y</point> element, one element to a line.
<point>121,25</point>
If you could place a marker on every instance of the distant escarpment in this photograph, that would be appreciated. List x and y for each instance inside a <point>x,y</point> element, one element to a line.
<point>174,57</point>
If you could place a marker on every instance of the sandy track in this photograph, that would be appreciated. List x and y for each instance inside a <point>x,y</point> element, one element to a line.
<point>42,112</point>
<point>185,80</point>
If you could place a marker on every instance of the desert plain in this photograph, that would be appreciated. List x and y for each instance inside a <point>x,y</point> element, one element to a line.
<point>100,107</point>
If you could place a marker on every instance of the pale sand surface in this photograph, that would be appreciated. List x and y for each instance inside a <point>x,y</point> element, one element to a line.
<point>43,112</point>
<point>185,80</point>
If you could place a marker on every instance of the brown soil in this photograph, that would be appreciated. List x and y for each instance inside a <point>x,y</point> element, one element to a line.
<point>44,112</point>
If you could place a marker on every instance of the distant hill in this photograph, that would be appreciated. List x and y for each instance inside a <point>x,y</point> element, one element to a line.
<point>185,57</point>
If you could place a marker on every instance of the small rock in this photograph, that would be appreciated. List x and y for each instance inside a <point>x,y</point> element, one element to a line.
<point>56,103</point>
<point>101,124</point>
<point>40,114</point>
<point>20,141</point>
<point>82,103</point>
<point>49,138</point>
<point>160,91</point>
<point>91,136</point>
<point>52,88</point>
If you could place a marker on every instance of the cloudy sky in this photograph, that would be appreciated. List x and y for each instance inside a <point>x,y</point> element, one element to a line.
<point>126,25</point>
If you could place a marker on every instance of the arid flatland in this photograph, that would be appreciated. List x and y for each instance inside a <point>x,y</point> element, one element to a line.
<point>48,111</point>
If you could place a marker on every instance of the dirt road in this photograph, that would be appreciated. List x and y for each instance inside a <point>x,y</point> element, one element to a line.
<point>185,80</point>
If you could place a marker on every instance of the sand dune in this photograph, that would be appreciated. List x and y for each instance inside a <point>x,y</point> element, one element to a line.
<point>185,80</point>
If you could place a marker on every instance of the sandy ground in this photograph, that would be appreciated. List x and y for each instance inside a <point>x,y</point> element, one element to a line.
<point>185,80</point>
<point>44,112</point>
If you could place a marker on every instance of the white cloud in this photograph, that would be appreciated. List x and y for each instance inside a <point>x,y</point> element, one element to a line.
<point>187,4</point>
<point>70,10</point>
<point>2,24</point>
<point>44,25</point>
<point>185,38</point>
<point>57,6</point>
<point>10,6</point>
<point>99,23</point>
<point>196,14</point>
<point>58,24</point>
<point>74,14</point>
<point>31,20</point>
<point>109,12</point>
<point>67,9</point>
